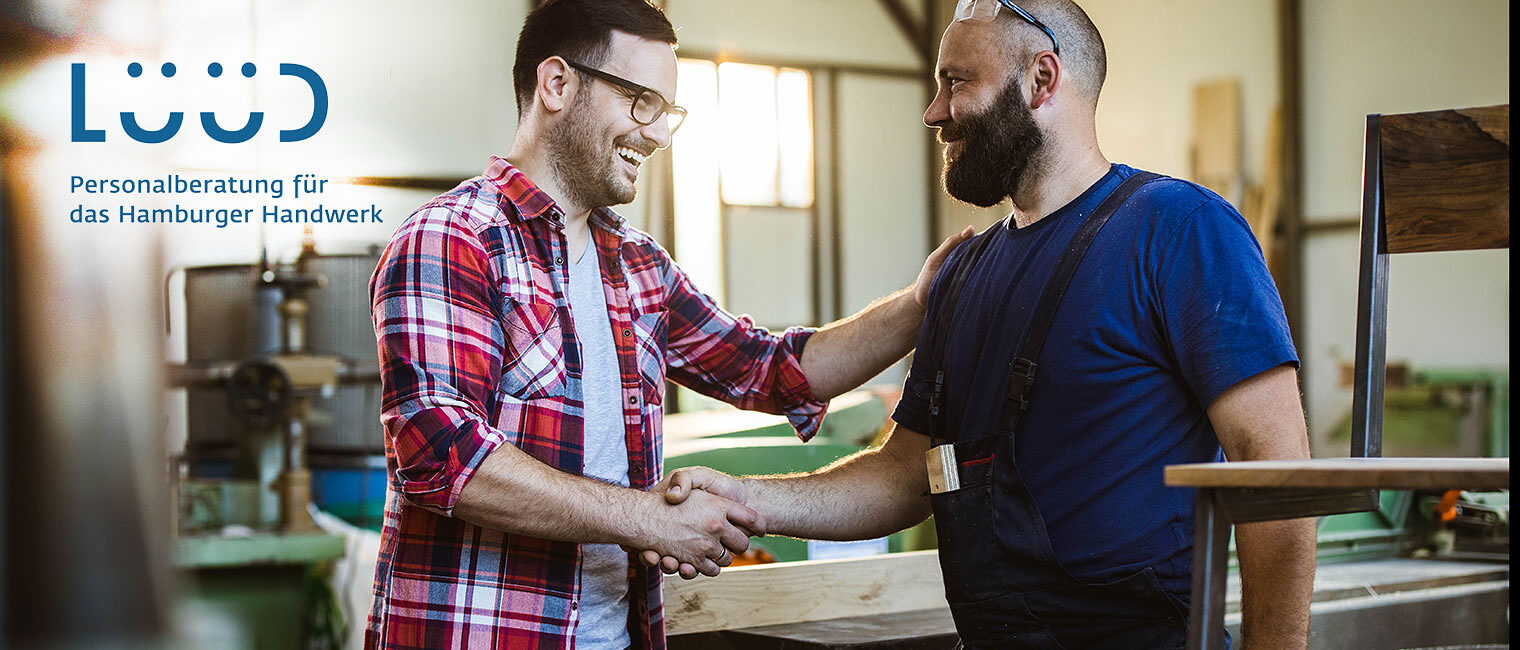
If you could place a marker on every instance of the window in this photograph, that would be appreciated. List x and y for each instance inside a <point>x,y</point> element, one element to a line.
<point>766,144</point>
<point>747,142</point>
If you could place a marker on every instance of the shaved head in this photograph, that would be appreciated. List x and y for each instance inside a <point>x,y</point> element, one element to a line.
<point>1082,53</point>
<point>1016,119</point>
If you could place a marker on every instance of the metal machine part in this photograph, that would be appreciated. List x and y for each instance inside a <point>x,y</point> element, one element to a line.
<point>272,398</point>
<point>1465,525</point>
<point>258,392</point>
<point>231,314</point>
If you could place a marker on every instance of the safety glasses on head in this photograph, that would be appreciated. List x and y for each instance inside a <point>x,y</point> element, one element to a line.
<point>986,10</point>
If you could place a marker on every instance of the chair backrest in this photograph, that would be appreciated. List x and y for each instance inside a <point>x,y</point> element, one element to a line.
<point>1435,181</point>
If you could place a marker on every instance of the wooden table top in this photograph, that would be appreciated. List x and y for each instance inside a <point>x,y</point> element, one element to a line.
<point>1381,473</point>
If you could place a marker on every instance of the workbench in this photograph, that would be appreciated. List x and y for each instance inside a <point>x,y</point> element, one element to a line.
<point>1242,492</point>
<point>1396,602</point>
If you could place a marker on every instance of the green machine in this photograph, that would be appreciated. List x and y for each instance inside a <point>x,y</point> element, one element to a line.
<point>1431,413</point>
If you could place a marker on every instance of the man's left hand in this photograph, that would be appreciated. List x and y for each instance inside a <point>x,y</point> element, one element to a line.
<point>937,259</point>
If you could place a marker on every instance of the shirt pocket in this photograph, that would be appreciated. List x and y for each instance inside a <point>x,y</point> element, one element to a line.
<point>649,332</point>
<point>534,365</point>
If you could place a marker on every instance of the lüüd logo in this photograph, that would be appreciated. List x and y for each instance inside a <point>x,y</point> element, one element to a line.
<point>129,124</point>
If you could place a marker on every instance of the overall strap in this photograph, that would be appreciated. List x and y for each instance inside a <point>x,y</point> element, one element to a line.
<point>1021,370</point>
<point>942,321</point>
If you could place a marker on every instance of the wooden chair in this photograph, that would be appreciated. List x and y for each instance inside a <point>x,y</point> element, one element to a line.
<point>1436,181</point>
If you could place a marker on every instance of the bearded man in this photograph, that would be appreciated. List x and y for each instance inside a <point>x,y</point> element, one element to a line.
<point>525,334</point>
<point>1115,323</point>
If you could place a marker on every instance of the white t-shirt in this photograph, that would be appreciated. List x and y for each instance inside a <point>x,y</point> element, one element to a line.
<point>604,567</point>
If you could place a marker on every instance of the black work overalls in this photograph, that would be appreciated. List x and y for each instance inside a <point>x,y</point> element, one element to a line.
<point>1005,586</point>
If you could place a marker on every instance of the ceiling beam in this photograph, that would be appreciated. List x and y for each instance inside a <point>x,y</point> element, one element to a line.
<point>911,29</point>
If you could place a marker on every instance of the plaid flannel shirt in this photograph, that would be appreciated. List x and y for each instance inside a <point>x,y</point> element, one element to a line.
<point>477,349</point>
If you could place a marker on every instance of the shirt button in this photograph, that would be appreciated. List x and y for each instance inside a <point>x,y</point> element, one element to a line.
<point>633,400</point>
<point>627,332</point>
<point>1172,621</point>
<point>575,605</point>
<point>559,260</point>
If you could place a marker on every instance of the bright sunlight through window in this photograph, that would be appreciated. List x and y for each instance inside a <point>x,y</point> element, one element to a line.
<point>748,140</point>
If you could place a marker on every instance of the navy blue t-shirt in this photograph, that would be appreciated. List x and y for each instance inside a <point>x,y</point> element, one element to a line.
<point>1170,307</point>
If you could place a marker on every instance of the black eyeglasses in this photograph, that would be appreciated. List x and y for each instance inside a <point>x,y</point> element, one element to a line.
<point>988,9</point>
<point>648,104</point>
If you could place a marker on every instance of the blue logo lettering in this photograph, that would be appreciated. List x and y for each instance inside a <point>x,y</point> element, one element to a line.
<point>80,132</point>
<point>208,119</point>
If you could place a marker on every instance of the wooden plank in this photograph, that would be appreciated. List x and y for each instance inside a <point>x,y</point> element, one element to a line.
<point>1380,473</point>
<point>1246,505</point>
<point>1332,582</point>
<point>1268,205</point>
<point>1216,137</point>
<point>804,591</point>
<point>926,629</point>
<point>1446,179</point>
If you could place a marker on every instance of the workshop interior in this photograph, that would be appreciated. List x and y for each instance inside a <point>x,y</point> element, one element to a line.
<point>192,449</point>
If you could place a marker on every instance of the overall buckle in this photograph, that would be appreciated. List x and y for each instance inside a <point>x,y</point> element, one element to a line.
<point>1020,379</point>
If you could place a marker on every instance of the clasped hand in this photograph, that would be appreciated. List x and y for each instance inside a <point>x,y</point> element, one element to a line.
<point>707,526</point>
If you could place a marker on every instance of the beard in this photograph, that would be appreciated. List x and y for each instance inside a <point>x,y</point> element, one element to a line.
<point>587,168</point>
<point>999,147</point>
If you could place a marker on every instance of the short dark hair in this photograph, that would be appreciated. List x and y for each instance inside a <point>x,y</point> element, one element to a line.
<point>580,31</point>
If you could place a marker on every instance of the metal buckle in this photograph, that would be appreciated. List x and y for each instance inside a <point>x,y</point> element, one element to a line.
<point>1020,379</point>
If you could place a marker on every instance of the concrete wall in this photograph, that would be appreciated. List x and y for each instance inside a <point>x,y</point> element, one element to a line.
<point>1158,51</point>
<point>884,195</point>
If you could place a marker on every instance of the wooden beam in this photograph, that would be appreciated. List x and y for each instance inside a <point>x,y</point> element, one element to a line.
<point>1339,225</point>
<point>933,154</point>
<point>795,592</point>
<point>434,183</point>
<point>815,65</point>
<point>911,30</point>
<point>1379,473</point>
<point>1290,214</point>
<point>836,207</point>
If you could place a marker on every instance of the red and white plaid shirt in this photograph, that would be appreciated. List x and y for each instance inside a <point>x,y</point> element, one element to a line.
<point>477,349</point>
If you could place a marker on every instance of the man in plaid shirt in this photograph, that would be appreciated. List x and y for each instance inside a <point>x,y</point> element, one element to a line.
<point>525,335</point>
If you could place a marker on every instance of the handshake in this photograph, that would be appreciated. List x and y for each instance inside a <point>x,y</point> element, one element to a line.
<point>702,521</point>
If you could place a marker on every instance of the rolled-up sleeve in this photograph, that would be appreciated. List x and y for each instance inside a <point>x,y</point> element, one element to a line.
<point>730,358</point>
<point>440,347</point>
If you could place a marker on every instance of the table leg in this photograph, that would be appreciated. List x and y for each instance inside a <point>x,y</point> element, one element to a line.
<point>1211,555</point>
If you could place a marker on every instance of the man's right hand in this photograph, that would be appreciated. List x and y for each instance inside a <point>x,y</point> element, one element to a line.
<point>680,486</point>
<point>700,533</point>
